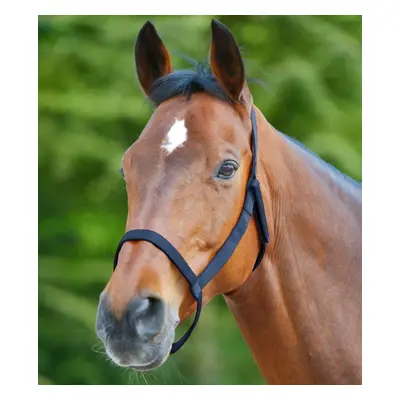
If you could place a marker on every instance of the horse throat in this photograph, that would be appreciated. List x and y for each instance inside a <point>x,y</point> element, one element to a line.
<point>300,312</point>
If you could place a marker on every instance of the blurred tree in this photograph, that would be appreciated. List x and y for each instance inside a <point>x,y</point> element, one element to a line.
<point>91,109</point>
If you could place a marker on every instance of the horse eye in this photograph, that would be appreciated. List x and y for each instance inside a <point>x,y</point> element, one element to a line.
<point>121,171</point>
<point>227,170</point>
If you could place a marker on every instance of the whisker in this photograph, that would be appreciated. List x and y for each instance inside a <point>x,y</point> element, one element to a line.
<point>176,369</point>
<point>144,378</point>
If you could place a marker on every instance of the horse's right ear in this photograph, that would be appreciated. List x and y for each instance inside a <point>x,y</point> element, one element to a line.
<point>151,57</point>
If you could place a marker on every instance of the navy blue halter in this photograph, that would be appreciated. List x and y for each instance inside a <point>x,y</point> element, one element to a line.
<point>253,205</point>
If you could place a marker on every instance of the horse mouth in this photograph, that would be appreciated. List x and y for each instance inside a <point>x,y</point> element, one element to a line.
<point>144,356</point>
<point>136,363</point>
<point>158,362</point>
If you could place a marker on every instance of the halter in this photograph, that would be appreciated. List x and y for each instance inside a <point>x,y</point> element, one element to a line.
<point>253,203</point>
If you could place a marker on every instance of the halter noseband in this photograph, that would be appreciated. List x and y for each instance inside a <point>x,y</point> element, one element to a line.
<point>253,203</point>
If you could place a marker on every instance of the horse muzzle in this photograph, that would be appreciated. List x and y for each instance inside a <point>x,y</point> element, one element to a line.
<point>142,337</point>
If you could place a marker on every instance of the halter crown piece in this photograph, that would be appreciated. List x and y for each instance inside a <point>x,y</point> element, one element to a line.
<point>253,204</point>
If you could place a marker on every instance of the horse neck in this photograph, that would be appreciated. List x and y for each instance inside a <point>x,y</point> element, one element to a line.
<point>300,312</point>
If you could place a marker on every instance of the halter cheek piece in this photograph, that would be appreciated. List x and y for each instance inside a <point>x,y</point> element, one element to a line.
<point>253,204</point>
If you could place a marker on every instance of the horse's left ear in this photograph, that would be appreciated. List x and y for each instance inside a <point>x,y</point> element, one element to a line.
<point>226,62</point>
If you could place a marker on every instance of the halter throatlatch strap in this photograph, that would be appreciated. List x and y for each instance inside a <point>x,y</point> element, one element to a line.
<point>253,206</point>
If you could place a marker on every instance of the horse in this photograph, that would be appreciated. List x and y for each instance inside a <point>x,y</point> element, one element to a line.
<point>189,179</point>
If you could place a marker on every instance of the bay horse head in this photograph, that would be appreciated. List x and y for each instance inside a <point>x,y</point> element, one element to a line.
<point>186,179</point>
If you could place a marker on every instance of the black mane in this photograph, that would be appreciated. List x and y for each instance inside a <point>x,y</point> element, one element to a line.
<point>185,83</point>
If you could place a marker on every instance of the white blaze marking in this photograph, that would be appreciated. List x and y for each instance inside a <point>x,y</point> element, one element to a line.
<point>176,136</point>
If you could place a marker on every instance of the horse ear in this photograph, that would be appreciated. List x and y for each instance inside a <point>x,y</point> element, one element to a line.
<point>151,57</point>
<point>226,62</point>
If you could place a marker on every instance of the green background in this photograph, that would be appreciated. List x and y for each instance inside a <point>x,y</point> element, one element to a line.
<point>91,109</point>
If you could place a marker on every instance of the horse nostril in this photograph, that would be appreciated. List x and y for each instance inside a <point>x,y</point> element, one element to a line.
<point>146,316</point>
<point>140,307</point>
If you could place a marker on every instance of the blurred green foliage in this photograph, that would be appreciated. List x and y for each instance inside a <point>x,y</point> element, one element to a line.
<point>91,109</point>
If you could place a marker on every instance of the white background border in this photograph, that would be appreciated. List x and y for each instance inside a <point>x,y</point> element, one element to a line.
<point>19,193</point>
